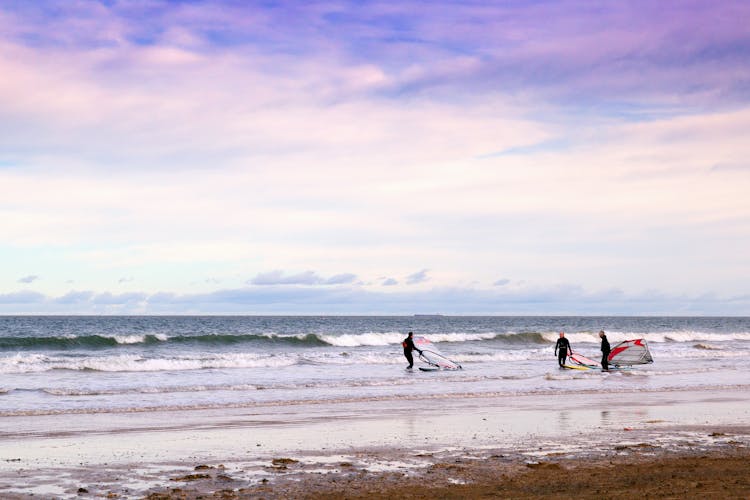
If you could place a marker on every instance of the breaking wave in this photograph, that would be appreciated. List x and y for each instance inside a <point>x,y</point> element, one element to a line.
<point>42,362</point>
<point>22,363</point>
<point>707,347</point>
<point>372,339</point>
<point>395,338</point>
<point>655,337</point>
<point>73,342</point>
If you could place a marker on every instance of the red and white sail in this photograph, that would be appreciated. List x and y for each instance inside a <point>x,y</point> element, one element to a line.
<point>630,352</point>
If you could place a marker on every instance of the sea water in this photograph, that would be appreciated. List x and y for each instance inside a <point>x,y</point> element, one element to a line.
<point>79,365</point>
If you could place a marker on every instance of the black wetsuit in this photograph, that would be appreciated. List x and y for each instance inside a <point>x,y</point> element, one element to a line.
<point>561,349</point>
<point>605,353</point>
<point>409,346</point>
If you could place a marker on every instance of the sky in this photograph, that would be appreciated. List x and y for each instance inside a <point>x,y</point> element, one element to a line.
<point>368,157</point>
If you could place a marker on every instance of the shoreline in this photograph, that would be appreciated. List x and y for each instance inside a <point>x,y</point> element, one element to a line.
<point>132,455</point>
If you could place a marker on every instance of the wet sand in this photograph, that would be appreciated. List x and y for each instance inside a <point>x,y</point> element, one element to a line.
<point>715,474</point>
<point>472,446</point>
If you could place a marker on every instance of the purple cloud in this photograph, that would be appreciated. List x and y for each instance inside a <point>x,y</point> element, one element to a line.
<point>24,297</point>
<point>28,279</point>
<point>681,53</point>
<point>278,277</point>
<point>108,298</point>
<point>341,279</point>
<point>418,277</point>
<point>74,297</point>
<point>561,299</point>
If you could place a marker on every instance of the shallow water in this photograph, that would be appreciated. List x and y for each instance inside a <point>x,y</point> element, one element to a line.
<point>52,365</point>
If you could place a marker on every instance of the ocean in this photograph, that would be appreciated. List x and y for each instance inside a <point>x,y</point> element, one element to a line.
<point>98,364</point>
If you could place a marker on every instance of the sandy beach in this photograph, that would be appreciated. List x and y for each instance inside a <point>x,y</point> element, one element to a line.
<point>453,447</point>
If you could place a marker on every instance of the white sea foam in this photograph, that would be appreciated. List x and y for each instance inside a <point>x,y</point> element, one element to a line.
<point>391,338</point>
<point>27,363</point>
<point>66,391</point>
<point>139,339</point>
<point>573,338</point>
<point>22,363</point>
<point>360,358</point>
<point>380,358</point>
<point>700,354</point>
<point>498,356</point>
<point>363,339</point>
<point>570,375</point>
<point>696,336</point>
<point>460,337</point>
<point>37,362</point>
<point>659,337</point>
<point>130,339</point>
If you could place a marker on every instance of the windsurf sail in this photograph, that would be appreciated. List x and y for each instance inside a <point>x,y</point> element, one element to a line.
<point>432,356</point>
<point>579,360</point>
<point>630,352</point>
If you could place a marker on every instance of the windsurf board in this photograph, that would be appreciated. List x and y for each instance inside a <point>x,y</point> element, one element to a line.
<point>576,367</point>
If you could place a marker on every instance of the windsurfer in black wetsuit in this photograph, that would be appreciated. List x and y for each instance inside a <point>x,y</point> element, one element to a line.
<point>561,349</point>
<point>605,351</point>
<point>409,346</point>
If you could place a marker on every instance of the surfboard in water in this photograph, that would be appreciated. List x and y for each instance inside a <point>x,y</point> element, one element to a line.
<point>432,355</point>
<point>630,352</point>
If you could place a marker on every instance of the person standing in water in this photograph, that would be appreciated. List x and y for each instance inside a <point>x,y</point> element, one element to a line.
<point>605,351</point>
<point>409,346</point>
<point>561,349</point>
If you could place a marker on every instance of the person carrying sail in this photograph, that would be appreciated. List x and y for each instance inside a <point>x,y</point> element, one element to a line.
<point>605,351</point>
<point>409,346</point>
<point>561,349</point>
